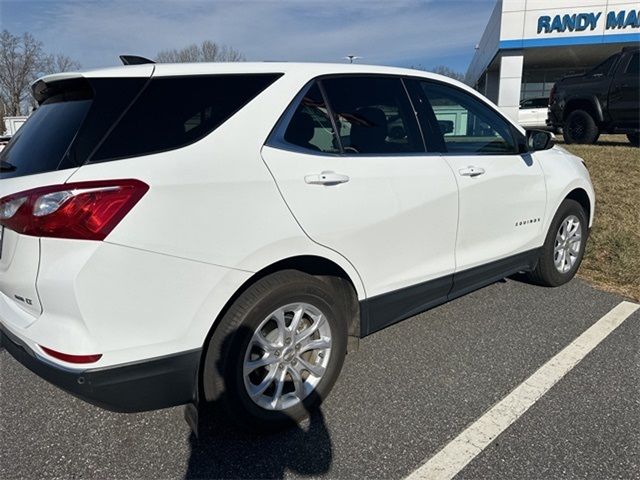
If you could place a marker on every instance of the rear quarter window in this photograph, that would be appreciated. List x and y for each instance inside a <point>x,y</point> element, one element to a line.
<point>173,112</point>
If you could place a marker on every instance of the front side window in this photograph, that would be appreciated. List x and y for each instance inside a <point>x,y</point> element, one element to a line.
<point>310,127</point>
<point>172,112</point>
<point>466,124</point>
<point>373,115</point>
<point>604,68</point>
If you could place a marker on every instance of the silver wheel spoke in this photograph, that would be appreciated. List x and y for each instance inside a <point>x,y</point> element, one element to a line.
<point>263,343</point>
<point>279,386</point>
<point>316,370</point>
<point>282,326</point>
<point>307,332</point>
<point>319,344</point>
<point>264,384</point>
<point>298,383</point>
<point>297,316</point>
<point>261,362</point>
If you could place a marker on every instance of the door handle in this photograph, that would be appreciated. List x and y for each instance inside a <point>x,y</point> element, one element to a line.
<point>326,178</point>
<point>471,171</point>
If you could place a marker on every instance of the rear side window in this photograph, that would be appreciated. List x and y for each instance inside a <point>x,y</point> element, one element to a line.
<point>374,115</point>
<point>310,127</point>
<point>42,143</point>
<point>73,116</point>
<point>172,112</point>
<point>633,68</point>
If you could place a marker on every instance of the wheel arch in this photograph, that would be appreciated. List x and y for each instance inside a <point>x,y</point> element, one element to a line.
<point>589,104</point>
<point>321,267</point>
<point>582,197</point>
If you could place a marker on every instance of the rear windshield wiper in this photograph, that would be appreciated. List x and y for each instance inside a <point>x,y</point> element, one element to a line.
<point>7,167</point>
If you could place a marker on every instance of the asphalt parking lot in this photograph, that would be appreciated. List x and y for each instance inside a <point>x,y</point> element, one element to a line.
<point>408,392</point>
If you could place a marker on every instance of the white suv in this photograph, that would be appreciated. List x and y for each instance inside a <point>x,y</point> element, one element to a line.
<point>224,232</point>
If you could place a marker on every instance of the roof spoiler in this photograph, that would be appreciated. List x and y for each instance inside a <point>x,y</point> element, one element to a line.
<point>134,60</point>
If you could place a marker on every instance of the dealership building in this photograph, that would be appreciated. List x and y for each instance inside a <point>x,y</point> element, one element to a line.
<point>530,44</point>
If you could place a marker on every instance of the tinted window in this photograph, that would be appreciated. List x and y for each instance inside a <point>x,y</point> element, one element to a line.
<point>42,142</point>
<point>633,68</point>
<point>173,112</point>
<point>310,127</point>
<point>373,114</point>
<point>73,117</point>
<point>535,103</point>
<point>467,124</point>
<point>604,67</point>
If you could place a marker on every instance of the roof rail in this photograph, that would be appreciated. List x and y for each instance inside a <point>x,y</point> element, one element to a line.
<point>134,60</point>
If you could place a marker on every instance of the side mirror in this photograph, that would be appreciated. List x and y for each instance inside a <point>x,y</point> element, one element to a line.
<point>539,140</point>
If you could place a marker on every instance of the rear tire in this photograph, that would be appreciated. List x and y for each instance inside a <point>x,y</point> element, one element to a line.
<point>581,128</point>
<point>561,255</point>
<point>634,139</point>
<point>255,329</point>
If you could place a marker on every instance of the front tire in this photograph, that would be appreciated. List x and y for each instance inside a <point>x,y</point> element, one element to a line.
<point>277,352</point>
<point>634,139</point>
<point>581,128</point>
<point>564,246</point>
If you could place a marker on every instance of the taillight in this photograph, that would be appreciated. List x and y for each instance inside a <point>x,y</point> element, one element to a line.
<point>82,210</point>
<point>66,357</point>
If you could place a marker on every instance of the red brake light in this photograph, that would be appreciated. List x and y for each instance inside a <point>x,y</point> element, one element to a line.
<point>82,210</point>
<point>65,357</point>
<point>552,95</point>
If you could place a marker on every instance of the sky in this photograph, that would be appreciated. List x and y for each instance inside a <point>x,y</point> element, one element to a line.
<point>418,33</point>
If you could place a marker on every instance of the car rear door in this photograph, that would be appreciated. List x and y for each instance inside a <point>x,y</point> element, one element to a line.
<point>371,192</point>
<point>502,192</point>
<point>624,96</point>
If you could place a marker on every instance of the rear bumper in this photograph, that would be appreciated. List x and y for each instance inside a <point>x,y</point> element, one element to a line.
<point>135,387</point>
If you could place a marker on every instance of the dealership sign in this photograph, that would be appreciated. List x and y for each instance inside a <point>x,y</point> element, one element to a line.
<point>579,22</point>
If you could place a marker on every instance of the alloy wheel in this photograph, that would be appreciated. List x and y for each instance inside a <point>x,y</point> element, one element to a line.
<point>567,245</point>
<point>287,356</point>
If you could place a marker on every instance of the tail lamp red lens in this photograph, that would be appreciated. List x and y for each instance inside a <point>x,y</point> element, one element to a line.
<point>66,357</point>
<point>81,210</point>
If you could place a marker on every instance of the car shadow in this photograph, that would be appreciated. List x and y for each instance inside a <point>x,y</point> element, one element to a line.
<point>224,449</point>
<point>609,143</point>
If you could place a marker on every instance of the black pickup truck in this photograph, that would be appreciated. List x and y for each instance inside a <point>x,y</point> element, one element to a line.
<point>606,99</point>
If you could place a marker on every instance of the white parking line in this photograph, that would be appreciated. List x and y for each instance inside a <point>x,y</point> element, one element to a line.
<point>465,447</point>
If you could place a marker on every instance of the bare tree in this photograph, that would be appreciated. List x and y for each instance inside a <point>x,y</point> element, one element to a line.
<point>20,61</point>
<point>207,51</point>
<point>23,60</point>
<point>59,63</point>
<point>2,110</point>
<point>449,72</point>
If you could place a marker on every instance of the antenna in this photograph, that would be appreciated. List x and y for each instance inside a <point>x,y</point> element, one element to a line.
<point>134,60</point>
<point>352,58</point>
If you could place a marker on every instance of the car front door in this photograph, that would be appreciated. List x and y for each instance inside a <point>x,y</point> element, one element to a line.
<point>351,164</point>
<point>502,192</point>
